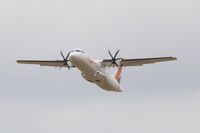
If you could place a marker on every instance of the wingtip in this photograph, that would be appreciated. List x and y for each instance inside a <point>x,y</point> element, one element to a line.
<point>174,58</point>
<point>18,61</point>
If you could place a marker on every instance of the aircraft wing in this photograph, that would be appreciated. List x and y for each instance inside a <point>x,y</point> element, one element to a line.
<point>56,63</point>
<point>136,62</point>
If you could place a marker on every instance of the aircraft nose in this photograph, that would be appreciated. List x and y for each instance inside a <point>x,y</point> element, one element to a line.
<point>73,56</point>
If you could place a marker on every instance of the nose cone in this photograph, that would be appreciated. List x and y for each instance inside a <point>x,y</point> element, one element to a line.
<point>74,57</point>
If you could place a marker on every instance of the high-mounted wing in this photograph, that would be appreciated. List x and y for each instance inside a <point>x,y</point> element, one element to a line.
<point>56,63</point>
<point>135,62</point>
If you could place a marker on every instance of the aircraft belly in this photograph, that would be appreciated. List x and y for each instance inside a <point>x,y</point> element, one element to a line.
<point>109,84</point>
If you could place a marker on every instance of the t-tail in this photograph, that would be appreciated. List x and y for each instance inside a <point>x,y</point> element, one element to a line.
<point>119,74</point>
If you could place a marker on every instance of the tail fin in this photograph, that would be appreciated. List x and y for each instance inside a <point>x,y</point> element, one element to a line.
<point>118,74</point>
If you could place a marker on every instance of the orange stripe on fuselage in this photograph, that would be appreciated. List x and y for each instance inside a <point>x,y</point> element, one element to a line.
<point>118,74</point>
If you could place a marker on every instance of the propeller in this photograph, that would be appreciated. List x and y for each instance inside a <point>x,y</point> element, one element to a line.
<point>65,59</point>
<point>114,58</point>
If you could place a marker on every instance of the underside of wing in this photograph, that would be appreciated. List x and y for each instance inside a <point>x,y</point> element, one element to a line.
<point>56,63</point>
<point>136,62</point>
<point>140,62</point>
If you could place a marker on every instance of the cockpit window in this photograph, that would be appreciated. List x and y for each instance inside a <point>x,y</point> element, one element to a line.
<point>78,50</point>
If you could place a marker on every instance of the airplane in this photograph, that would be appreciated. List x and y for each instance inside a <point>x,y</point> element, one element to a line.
<point>94,71</point>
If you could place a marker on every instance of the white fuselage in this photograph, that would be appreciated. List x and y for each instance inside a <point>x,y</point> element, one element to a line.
<point>93,72</point>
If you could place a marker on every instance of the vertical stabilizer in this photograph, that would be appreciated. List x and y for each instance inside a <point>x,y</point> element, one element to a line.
<point>118,74</point>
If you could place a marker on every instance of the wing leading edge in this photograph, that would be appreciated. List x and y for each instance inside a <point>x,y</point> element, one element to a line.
<point>56,63</point>
<point>137,62</point>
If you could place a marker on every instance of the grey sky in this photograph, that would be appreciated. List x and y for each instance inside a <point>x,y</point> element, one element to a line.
<point>157,98</point>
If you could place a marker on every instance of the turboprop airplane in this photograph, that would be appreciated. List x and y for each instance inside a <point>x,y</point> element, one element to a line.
<point>94,71</point>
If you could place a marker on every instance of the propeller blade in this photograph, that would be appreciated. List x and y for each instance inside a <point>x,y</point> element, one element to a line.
<point>68,55</point>
<point>62,55</point>
<point>116,54</point>
<point>65,59</point>
<point>114,58</point>
<point>110,54</point>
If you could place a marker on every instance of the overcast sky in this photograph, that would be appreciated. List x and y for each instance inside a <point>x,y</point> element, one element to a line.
<point>163,97</point>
